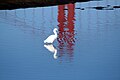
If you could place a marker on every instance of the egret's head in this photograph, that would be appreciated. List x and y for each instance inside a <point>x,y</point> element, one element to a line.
<point>55,29</point>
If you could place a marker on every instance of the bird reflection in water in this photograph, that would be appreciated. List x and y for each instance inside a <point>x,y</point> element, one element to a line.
<point>52,49</point>
<point>66,34</point>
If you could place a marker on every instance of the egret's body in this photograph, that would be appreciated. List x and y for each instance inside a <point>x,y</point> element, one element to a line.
<point>52,38</point>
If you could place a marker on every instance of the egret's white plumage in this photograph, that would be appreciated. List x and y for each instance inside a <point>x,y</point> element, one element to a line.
<point>51,38</point>
<point>52,49</point>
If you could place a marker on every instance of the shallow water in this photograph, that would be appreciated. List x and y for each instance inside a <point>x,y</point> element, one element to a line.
<point>87,48</point>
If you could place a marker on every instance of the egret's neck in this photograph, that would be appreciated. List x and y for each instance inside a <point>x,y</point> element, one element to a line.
<point>55,32</point>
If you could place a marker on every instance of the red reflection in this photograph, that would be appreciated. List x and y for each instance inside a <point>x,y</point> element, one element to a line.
<point>66,29</point>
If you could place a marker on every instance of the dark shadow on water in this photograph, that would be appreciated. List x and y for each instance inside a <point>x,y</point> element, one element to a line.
<point>15,4</point>
<point>66,40</point>
<point>108,7</point>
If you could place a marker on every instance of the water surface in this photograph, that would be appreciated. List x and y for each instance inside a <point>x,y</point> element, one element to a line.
<point>87,48</point>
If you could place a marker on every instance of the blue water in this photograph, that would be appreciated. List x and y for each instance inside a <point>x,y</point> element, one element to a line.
<point>88,44</point>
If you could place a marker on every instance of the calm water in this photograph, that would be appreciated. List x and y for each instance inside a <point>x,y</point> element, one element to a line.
<point>87,48</point>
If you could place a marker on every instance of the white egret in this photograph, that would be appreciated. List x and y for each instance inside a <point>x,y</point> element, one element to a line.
<point>52,38</point>
<point>51,48</point>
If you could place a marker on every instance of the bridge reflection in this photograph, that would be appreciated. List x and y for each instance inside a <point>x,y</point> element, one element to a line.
<point>66,34</point>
